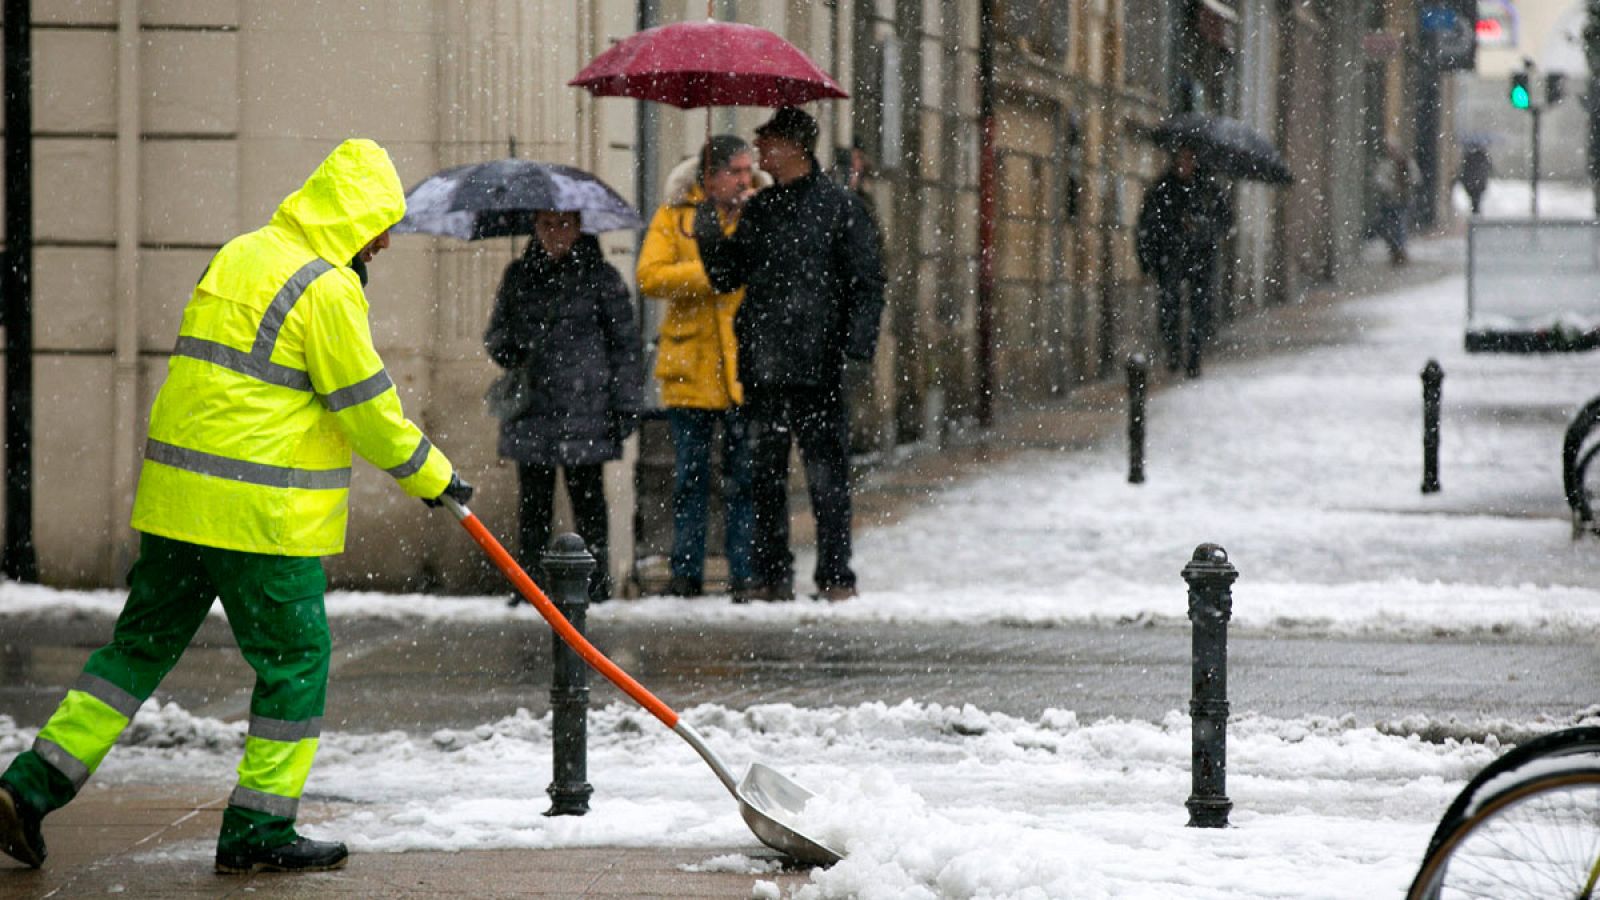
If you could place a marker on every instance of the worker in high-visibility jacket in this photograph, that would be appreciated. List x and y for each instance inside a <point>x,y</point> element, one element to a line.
<point>244,487</point>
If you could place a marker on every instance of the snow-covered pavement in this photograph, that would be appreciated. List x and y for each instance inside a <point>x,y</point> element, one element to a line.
<point>1306,466</point>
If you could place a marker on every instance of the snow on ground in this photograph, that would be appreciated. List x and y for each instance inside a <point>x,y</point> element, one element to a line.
<point>1507,198</point>
<point>925,800</point>
<point>1304,465</point>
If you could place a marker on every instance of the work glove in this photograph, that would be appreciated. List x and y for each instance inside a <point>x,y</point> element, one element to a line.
<point>457,490</point>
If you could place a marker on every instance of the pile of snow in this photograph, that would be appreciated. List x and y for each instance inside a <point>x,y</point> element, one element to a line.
<point>925,800</point>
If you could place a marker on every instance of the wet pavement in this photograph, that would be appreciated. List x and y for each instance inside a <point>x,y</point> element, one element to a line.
<point>421,677</point>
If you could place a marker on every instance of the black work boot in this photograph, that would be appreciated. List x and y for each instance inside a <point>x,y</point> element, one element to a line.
<point>304,855</point>
<point>20,836</point>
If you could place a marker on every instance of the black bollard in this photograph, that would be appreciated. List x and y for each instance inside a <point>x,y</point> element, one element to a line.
<point>568,565</point>
<point>1138,377</point>
<point>1210,577</point>
<point>1432,379</point>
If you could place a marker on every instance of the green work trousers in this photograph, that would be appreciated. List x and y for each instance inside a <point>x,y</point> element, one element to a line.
<point>275,606</point>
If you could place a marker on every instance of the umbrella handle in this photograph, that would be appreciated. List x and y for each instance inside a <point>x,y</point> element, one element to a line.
<point>503,561</point>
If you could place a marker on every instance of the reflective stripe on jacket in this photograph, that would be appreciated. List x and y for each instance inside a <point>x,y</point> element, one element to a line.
<point>274,379</point>
<point>696,356</point>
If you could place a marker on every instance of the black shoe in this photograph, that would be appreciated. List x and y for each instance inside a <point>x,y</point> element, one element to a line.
<point>681,586</point>
<point>20,837</point>
<point>304,855</point>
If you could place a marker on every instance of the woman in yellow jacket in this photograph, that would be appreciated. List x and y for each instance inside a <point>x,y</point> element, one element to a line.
<point>245,486</point>
<point>697,361</point>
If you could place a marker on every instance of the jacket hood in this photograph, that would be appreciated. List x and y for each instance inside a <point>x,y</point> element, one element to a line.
<point>683,183</point>
<point>351,198</point>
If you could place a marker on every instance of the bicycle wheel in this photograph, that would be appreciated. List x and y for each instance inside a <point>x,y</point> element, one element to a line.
<point>1566,742</point>
<point>1539,836</point>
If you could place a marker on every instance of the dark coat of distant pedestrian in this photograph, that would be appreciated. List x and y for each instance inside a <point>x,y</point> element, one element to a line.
<point>570,324</point>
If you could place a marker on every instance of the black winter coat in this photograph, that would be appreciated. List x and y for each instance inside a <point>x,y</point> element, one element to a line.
<point>570,323</point>
<point>807,255</point>
<point>1182,225</point>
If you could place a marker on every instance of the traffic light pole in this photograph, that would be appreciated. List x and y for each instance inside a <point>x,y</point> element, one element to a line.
<point>1533,178</point>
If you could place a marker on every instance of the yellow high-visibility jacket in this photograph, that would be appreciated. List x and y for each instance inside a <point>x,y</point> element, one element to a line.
<point>696,355</point>
<point>274,378</point>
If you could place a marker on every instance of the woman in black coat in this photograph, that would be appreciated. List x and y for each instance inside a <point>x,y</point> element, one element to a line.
<point>563,316</point>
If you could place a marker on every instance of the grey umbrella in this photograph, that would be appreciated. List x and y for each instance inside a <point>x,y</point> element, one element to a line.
<point>500,197</point>
<point>1226,146</point>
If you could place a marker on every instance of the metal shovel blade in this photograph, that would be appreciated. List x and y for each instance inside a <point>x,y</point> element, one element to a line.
<point>770,804</point>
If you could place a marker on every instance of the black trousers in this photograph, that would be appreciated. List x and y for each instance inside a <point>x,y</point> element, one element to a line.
<point>816,419</point>
<point>536,502</point>
<point>1200,281</point>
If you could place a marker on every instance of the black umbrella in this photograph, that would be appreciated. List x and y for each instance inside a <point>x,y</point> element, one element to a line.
<point>1226,146</point>
<point>500,197</point>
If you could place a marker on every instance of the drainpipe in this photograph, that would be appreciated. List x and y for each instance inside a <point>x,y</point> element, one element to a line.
<point>647,183</point>
<point>125,411</point>
<point>20,561</point>
<point>986,211</point>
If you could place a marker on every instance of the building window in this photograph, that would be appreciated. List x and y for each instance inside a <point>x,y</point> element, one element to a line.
<point>1144,60</point>
<point>1038,25</point>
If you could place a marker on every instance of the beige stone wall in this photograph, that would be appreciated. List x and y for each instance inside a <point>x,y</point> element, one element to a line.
<point>162,129</point>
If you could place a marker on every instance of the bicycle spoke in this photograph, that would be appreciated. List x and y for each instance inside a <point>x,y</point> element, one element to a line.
<point>1545,843</point>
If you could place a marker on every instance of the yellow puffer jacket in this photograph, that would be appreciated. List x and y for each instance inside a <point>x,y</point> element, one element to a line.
<point>696,357</point>
<point>274,378</point>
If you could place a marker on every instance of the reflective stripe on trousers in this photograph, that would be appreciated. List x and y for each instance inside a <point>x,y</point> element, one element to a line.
<point>277,759</point>
<point>83,728</point>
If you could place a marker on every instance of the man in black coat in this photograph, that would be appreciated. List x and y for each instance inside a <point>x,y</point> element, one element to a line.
<point>806,252</point>
<point>1185,217</point>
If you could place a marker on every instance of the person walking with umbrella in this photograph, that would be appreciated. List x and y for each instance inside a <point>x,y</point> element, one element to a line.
<point>697,361</point>
<point>806,253</point>
<point>562,317</point>
<point>245,486</point>
<point>1185,217</point>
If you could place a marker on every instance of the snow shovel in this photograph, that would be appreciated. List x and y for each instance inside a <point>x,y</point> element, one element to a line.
<point>767,800</point>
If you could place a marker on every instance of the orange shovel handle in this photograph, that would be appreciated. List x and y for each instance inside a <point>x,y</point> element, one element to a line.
<point>573,638</point>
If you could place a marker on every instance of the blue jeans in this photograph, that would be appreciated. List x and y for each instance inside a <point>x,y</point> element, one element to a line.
<point>692,432</point>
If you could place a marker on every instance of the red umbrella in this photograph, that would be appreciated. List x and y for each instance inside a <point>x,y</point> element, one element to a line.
<point>694,64</point>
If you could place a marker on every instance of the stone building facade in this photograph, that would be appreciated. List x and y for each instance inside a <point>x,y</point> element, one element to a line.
<point>165,127</point>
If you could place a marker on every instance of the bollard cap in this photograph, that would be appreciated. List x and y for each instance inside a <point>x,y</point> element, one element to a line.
<point>1210,561</point>
<point>567,552</point>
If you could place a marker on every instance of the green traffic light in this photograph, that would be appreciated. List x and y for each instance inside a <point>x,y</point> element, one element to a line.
<point>1521,97</point>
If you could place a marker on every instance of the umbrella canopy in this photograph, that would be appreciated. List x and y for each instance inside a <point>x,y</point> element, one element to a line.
<point>694,64</point>
<point>1224,145</point>
<point>500,197</point>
